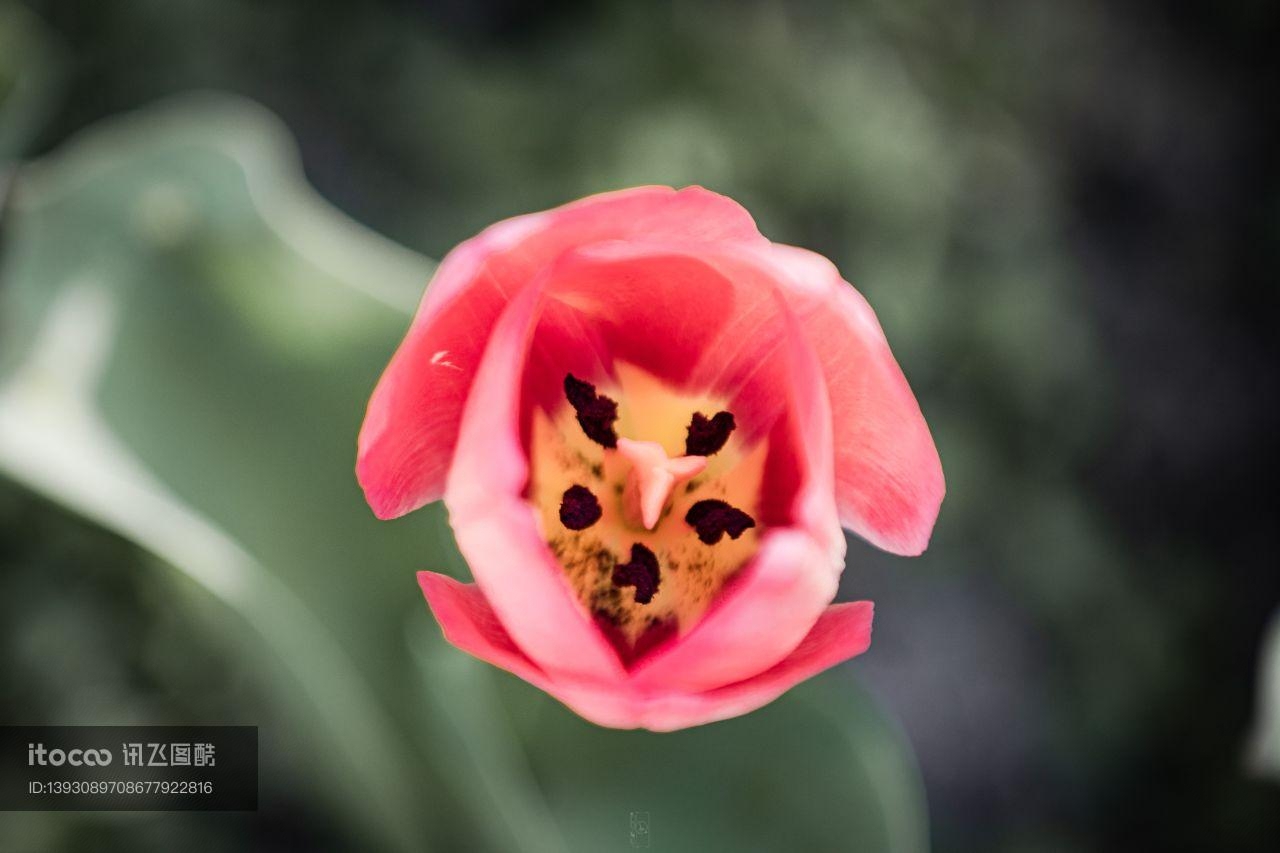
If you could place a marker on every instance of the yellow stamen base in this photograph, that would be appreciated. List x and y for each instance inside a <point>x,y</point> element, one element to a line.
<point>640,506</point>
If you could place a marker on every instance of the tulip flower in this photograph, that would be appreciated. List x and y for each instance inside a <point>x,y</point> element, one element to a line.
<point>649,424</point>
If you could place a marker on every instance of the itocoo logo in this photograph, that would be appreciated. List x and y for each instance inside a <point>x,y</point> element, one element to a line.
<point>37,754</point>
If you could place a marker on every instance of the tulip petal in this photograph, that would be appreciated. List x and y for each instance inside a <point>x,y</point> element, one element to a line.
<point>698,317</point>
<point>888,477</point>
<point>757,620</point>
<point>468,622</point>
<point>497,530</point>
<point>842,631</point>
<point>889,482</point>
<point>778,596</point>
<point>411,426</point>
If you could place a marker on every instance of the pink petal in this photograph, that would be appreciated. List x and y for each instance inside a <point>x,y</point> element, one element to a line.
<point>411,424</point>
<point>777,597</point>
<point>756,621</point>
<point>411,427</point>
<point>468,622</point>
<point>676,311</point>
<point>888,477</point>
<point>497,530</point>
<point>842,631</point>
<point>723,330</point>
<point>653,305</point>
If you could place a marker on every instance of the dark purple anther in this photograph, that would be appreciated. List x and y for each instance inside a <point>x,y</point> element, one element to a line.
<point>712,519</point>
<point>707,435</point>
<point>596,412</point>
<point>641,572</point>
<point>579,509</point>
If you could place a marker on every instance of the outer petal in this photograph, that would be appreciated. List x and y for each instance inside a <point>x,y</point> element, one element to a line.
<point>756,621</point>
<point>889,482</point>
<point>468,621</point>
<point>496,528</point>
<point>843,631</point>
<point>411,426</point>
<point>780,594</point>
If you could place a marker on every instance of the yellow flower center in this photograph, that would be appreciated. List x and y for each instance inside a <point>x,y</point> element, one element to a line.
<point>647,532</point>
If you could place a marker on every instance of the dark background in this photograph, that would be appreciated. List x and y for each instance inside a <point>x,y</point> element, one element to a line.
<point>1067,218</point>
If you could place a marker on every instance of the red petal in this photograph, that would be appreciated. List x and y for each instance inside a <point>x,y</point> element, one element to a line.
<point>411,427</point>
<point>842,631</point>
<point>496,528</point>
<point>889,482</point>
<point>468,621</point>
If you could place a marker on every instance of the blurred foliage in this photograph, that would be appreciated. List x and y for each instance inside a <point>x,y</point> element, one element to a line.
<point>1050,207</point>
<point>28,73</point>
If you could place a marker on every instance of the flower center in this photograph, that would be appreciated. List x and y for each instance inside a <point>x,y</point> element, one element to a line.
<point>647,499</point>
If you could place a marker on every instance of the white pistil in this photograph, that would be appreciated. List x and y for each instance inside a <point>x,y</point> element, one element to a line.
<point>651,479</point>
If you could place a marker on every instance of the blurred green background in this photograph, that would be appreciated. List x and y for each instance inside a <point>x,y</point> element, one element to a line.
<point>218,217</point>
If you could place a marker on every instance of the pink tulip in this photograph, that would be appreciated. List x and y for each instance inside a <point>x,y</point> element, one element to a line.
<point>648,423</point>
